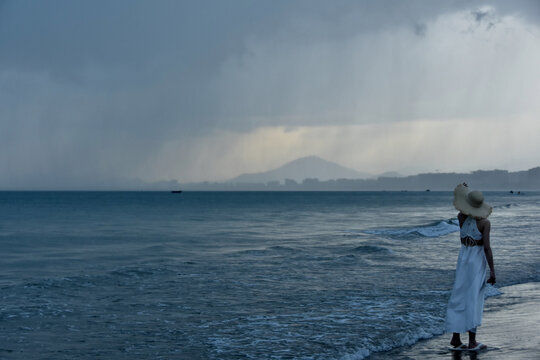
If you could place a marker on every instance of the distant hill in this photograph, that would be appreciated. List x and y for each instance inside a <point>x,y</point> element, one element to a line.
<point>518,181</point>
<point>390,174</point>
<point>300,169</point>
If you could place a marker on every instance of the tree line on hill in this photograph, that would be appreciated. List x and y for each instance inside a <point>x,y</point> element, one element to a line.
<point>480,179</point>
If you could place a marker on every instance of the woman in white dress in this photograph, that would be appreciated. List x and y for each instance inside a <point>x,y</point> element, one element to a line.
<point>466,304</point>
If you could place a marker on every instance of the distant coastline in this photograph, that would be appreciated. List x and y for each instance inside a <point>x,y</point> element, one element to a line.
<point>480,179</point>
<point>486,180</point>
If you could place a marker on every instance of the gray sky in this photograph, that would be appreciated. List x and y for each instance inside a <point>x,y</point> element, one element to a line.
<point>97,93</point>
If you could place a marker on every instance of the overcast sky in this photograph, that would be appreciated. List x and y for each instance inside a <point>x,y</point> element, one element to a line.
<point>97,93</point>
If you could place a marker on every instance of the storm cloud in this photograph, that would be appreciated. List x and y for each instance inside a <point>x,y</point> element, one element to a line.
<point>96,93</point>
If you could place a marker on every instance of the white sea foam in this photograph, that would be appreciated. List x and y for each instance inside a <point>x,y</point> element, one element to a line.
<point>436,229</point>
<point>358,355</point>
<point>406,338</point>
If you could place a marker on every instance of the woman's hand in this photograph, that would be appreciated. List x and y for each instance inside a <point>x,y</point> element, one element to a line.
<point>492,279</point>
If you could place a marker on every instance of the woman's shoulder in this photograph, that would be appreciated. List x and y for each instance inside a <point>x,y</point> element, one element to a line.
<point>483,221</point>
<point>483,224</point>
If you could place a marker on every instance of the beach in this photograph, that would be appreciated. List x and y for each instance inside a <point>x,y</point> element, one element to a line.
<point>510,329</point>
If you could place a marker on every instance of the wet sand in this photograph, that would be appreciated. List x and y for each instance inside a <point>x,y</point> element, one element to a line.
<point>510,328</point>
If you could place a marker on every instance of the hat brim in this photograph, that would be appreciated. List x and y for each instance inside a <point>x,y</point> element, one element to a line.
<point>461,203</point>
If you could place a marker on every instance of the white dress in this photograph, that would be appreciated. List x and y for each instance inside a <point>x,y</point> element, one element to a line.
<point>466,303</point>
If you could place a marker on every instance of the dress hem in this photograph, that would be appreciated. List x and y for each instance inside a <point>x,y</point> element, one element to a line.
<point>464,331</point>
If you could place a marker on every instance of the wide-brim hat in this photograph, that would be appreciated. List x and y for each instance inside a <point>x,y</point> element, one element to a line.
<point>471,202</point>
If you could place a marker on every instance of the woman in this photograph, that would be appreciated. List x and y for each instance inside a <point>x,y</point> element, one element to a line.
<point>466,303</point>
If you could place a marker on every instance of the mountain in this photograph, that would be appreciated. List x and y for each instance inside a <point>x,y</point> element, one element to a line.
<point>303,168</point>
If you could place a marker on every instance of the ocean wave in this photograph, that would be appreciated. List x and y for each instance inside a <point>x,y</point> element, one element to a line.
<point>132,274</point>
<point>404,338</point>
<point>282,248</point>
<point>270,250</point>
<point>372,249</point>
<point>435,229</point>
<point>505,206</point>
<point>138,272</point>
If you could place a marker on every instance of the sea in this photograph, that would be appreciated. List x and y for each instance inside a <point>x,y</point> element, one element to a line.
<point>239,275</point>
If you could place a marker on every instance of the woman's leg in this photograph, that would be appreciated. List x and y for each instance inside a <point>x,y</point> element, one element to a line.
<point>472,337</point>
<point>472,340</point>
<point>456,340</point>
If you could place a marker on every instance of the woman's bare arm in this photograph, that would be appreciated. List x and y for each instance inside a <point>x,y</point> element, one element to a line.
<point>486,227</point>
<point>461,218</point>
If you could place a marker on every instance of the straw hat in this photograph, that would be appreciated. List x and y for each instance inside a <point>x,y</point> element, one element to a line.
<point>471,203</point>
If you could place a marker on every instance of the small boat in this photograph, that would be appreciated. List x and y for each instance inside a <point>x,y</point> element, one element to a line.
<point>176,191</point>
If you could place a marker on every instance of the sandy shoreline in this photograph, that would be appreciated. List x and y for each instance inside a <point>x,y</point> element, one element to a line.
<point>510,328</point>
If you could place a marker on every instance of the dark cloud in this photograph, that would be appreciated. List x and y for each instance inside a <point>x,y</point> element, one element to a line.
<point>91,89</point>
<point>420,29</point>
<point>479,15</point>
